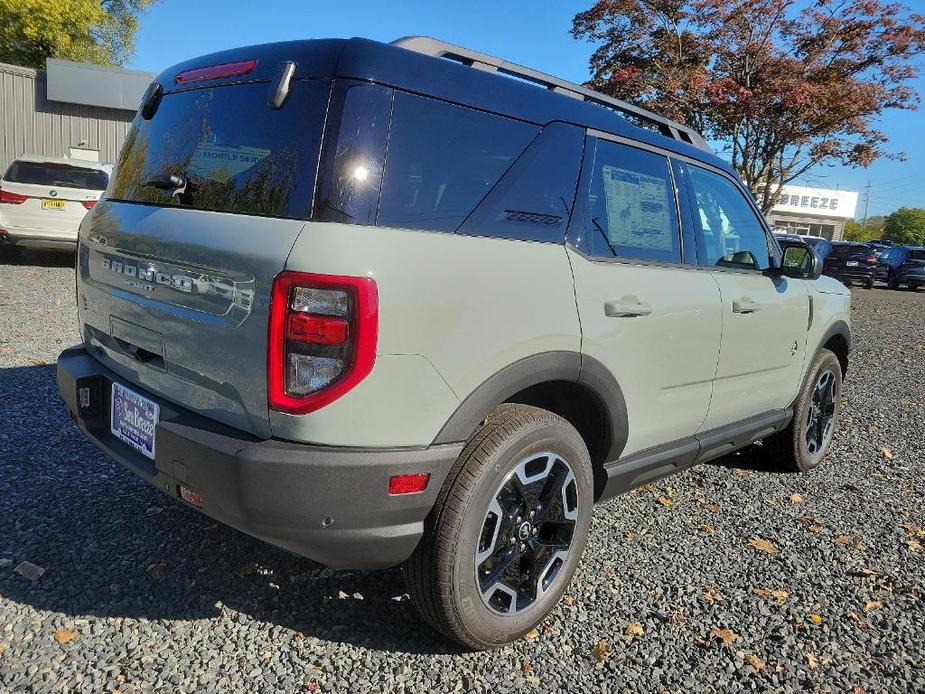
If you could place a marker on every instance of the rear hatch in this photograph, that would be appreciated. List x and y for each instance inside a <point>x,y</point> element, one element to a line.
<point>51,196</point>
<point>850,259</point>
<point>174,287</point>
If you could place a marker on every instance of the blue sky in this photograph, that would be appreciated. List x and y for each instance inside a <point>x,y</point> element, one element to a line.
<point>535,34</point>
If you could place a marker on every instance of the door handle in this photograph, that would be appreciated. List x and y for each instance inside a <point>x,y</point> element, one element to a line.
<point>626,307</point>
<point>745,305</point>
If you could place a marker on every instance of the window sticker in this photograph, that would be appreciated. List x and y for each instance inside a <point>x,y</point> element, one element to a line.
<point>638,215</point>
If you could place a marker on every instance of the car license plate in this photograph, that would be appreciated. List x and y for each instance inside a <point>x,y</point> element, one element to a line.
<point>134,419</point>
<point>852,263</point>
<point>49,204</point>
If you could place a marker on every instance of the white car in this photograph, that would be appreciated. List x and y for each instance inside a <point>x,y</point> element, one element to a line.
<point>44,199</point>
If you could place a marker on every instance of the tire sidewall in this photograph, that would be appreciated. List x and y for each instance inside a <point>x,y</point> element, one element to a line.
<point>551,436</point>
<point>805,460</point>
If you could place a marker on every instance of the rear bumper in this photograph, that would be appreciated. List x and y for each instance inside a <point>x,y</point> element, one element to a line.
<point>281,492</point>
<point>912,278</point>
<point>38,238</point>
<point>852,274</point>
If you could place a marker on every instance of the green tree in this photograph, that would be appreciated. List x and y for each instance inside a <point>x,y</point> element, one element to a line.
<point>905,226</point>
<point>92,31</point>
<point>855,231</point>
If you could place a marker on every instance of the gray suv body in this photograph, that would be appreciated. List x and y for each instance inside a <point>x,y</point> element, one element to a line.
<point>376,306</point>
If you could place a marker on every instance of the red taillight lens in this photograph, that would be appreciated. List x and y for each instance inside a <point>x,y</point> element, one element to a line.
<point>12,198</point>
<point>214,72</point>
<point>88,203</point>
<point>871,259</point>
<point>408,484</point>
<point>322,340</point>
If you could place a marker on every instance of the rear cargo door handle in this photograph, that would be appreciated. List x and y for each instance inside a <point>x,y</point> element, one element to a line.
<point>745,305</point>
<point>626,307</point>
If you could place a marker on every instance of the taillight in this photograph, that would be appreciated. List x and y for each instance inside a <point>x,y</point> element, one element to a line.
<point>88,203</point>
<point>214,72</point>
<point>871,259</point>
<point>12,198</point>
<point>322,341</point>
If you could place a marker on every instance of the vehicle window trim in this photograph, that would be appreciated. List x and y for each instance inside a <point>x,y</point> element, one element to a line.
<point>575,236</point>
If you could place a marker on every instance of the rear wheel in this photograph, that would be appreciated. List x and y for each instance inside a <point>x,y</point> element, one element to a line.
<point>892,282</point>
<point>804,443</point>
<point>869,283</point>
<point>507,531</point>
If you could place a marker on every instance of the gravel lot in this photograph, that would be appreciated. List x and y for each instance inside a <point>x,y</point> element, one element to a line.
<point>154,596</point>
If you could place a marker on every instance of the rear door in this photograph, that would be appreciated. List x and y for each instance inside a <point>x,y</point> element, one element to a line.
<point>764,315</point>
<point>647,313</point>
<point>52,196</point>
<point>174,289</point>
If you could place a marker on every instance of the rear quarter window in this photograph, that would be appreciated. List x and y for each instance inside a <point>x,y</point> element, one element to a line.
<point>238,154</point>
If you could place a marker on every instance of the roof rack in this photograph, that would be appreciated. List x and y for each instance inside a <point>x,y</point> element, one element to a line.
<point>483,61</point>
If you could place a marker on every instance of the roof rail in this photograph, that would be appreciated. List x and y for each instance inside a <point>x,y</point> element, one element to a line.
<point>483,61</point>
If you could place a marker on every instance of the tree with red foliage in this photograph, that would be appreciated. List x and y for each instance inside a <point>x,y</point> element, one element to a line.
<point>784,89</point>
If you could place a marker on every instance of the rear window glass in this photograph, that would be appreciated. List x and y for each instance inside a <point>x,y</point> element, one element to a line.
<point>56,175</point>
<point>238,154</point>
<point>847,249</point>
<point>442,160</point>
<point>916,255</point>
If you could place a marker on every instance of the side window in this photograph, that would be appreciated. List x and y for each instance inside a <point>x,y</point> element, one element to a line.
<point>533,200</point>
<point>731,233</point>
<point>351,166</point>
<point>631,210</point>
<point>442,160</point>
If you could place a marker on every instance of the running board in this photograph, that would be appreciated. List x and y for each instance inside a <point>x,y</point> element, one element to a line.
<point>661,461</point>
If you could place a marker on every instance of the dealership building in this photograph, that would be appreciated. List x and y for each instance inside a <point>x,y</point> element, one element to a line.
<point>814,211</point>
<point>67,110</point>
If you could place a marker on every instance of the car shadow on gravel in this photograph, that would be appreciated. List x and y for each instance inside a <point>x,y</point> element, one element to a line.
<point>113,547</point>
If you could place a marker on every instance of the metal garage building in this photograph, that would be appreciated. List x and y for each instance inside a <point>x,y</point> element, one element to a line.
<point>814,211</point>
<point>70,109</point>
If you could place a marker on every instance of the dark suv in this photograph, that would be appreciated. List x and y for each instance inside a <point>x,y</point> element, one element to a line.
<point>902,265</point>
<point>851,262</point>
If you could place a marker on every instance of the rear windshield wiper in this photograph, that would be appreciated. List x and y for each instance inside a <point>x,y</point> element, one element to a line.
<point>179,187</point>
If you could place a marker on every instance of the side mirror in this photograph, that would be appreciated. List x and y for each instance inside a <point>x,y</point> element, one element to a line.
<point>799,260</point>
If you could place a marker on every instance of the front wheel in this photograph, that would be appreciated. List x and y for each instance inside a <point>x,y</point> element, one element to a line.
<point>507,530</point>
<point>803,444</point>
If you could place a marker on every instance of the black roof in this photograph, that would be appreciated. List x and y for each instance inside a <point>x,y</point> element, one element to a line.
<point>448,80</point>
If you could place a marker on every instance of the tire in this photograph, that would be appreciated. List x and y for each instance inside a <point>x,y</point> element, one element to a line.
<point>868,284</point>
<point>791,447</point>
<point>891,282</point>
<point>517,442</point>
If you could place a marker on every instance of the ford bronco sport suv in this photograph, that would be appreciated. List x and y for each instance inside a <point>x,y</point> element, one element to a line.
<point>411,304</point>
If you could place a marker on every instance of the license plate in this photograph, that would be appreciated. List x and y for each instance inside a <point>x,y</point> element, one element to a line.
<point>134,419</point>
<point>852,263</point>
<point>49,204</point>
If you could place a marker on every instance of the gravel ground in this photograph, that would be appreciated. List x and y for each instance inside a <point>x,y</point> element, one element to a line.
<point>669,596</point>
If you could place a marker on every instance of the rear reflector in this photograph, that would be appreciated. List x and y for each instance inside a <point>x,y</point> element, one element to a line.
<point>214,72</point>
<point>191,497</point>
<point>12,198</point>
<point>408,484</point>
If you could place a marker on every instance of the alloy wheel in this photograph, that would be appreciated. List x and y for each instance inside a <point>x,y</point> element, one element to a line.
<point>820,419</point>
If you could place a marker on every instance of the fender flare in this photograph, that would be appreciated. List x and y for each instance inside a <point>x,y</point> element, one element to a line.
<point>841,329</point>
<point>540,368</point>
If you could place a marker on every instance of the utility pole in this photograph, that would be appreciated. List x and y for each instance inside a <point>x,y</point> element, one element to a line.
<point>866,202</point>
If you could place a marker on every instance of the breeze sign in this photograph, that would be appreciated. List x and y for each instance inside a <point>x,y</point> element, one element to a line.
<point>817,201</point>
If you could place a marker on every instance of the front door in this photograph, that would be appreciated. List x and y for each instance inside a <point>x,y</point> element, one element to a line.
<point>765,316</point>
<point>647,313</point>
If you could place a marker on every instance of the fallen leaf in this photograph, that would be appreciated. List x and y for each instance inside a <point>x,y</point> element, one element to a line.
<point>600,650</point>
<point>633,629</point>
<point>913,529</point>
<point>532,634</point>
<point>533,681</point>
<point>810,519</point>
<point>887,453</point>
<point>664,501</point>
<point>28,570</point>
<point>815,618</point>
<point>724,635</point>
<point>755,661</point>
<point>712,595</point>
<point>763,545</point>
<point>796,498</point>
<point>842,540</point>
<point>811,660</point>
<point>741,472</point>
<point>707,528</point>
<point>630,535</point>
<point>569,600</point>
<point>872,605</point>
<point>873,428</point>
<point>64,635</point>
<point>525,666</point>
<point>913,545</point>
<point>711,507</point>
<point>780,595</point>
<point>866,572</point>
